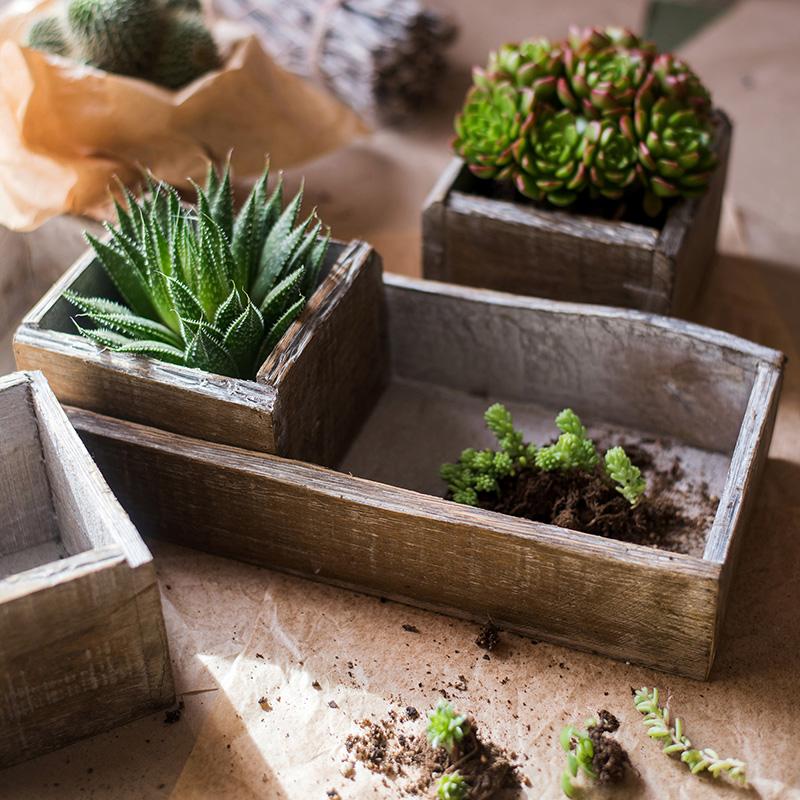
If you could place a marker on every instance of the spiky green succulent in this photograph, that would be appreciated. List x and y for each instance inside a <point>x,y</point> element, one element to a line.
<point>675,149</point>
<point>48,34</point>
<point>452,786</point>
<point>446,728</point>
<point>494,118</point>
<point>550,158</point>
<point>532,63</point>
<point>480,471</point>
<point>610,158</point>
<point>187,51</point>
<point>202,287</point>
<point>164,41</point>
<point>586,117</point>
<point>116,35</point>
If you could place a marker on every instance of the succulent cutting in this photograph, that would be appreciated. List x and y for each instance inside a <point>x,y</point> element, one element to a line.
<point>480,473</point>
<point>203,287</point>
<point>600,115</point>
<point>164,41</point>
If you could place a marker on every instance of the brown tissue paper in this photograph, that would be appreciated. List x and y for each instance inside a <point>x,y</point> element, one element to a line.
<point>66,129</point>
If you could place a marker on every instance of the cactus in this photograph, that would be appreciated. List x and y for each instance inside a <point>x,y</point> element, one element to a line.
<point>48,34</point>
<point>187,52</point>
<point>119,36</point>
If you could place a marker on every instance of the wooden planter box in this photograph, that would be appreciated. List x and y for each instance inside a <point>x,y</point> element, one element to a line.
<point>82,641</point>
<point>517,247</point>
<point>306,402</point>
<point>379,524</point>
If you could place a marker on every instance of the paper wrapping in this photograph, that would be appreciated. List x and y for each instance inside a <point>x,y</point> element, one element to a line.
<point>67,129</point>
<point>239,634</point>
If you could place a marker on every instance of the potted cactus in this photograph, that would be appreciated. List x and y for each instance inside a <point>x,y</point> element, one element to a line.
<point>590,169</point>
<point>216,324</point>
<point>163,41</point>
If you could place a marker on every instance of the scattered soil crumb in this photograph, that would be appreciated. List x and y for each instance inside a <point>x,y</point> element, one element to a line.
<point>403,755</point>
<point>174,714</point>
<point>264,703</point>
<point>410,628</point>
<point>332,704</point>
<point>610,759</point>
<point>489,637</point>
<point>316,685</point>
<point>333,794</point>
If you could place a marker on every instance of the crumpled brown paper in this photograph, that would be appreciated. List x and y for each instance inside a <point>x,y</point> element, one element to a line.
<point>66,129</point>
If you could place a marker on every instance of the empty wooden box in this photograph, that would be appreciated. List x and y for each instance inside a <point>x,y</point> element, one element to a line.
<point>380,524</point>
<point>82,641</point>
<point>514,246</point>
<point>302,403</point>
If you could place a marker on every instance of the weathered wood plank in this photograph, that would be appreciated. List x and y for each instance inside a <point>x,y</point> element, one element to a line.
<point>82,639</point>
<point>539,580</point>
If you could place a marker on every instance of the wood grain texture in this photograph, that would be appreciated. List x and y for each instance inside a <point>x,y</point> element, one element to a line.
<point>332,367</point>
<point>478,241</point>
<point>82,641</point>
<point>190,401</point>
<point>538,580</point>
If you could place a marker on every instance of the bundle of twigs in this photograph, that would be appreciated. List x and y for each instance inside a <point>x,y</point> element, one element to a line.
<point>383,58</point>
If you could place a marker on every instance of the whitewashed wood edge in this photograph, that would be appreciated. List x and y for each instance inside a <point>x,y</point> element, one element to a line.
<point>14,379</point>
<point>669,325</point>
<point>349,263</point>
<point>444,183</point>
<point>340,485</point>
<point>247,394</point>
<point>560,222</point>
<point>66,569</point>
<point>76,459</point>
<point>761,408</point>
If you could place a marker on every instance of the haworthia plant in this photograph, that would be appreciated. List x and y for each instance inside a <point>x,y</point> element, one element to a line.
<point>202,286</point>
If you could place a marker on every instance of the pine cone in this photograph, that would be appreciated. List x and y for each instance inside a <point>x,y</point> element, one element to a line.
<point>534,63</point>
<point>494,118</point>
<point>550,157</point>
<point>674,149</point>
<point>675,79</point>
<point>610,157</point>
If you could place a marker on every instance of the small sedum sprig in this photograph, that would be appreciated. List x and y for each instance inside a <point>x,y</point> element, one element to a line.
<point>452,786</point>
<point>480,471</point>
<point>629,480</point>
<point>573,450</point>
<point>657,721</point>
<point>580,752</point>
<point>446,728</point>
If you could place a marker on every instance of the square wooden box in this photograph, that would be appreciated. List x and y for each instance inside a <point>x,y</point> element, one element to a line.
<point>475,240</point>
<point>302,403</point>
<point>82,640</point>
<point>379,523</point>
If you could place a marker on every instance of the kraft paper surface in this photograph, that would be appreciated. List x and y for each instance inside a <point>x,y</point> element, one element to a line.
<point>67,129</point>
<point>250,646</point>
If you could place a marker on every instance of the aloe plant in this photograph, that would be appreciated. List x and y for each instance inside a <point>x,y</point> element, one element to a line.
<point>203,287</point>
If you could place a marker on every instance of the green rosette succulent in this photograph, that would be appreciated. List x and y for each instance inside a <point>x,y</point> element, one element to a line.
<point>495,117</point>
<point>533,63</point>
<point>592,40</point>
<point>611,158</point>
<point>674,78</point>
<point>602,83</point>
<point>550,158</point>
<point>675,152</point>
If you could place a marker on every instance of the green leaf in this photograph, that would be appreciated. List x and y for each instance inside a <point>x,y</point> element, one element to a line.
<point>205,351</point>
<point>230,309</point>
<point>279,328</point>
<point>158,350</point>
<point>129,281</point>
<point>136,327</point>
<point>314,265</point>
<point>221,203</point>
<point>249,234</point>
<point>275,302</point>
<point>212,180</point>
<point>278,249</point>
<point>243,338</point>
<point>183,300</point>
<point>110,339</point>
<point>91,305</point>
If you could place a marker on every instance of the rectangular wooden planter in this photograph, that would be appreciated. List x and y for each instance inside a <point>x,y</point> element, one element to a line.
<point>517,247</point>
<point>82,640</point>
<point>308,397</point>
<point>380,525</point>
